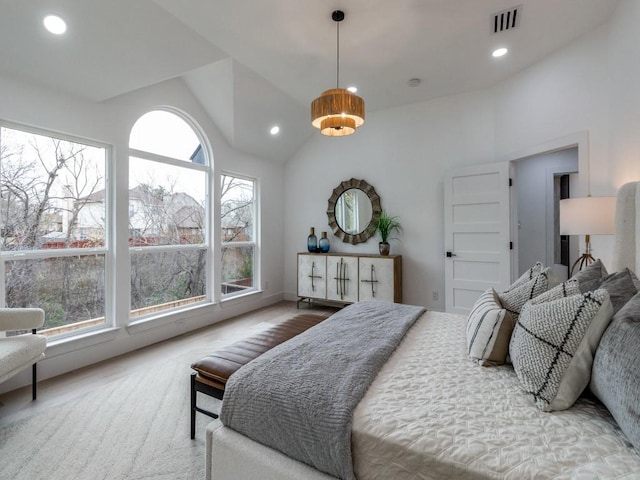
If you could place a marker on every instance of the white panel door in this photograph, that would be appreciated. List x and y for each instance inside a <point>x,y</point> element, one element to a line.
<point>477,233</point>
<point>342,278</point>
<point>312,276</point>
<point>376,279</point>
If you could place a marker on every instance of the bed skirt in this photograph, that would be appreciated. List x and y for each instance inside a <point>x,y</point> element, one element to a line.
<point>230,455</point>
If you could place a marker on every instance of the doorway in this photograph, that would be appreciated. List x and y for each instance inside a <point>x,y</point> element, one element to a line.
<point>540,182</point>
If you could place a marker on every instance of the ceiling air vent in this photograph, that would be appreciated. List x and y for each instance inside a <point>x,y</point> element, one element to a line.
<point>506,20</point>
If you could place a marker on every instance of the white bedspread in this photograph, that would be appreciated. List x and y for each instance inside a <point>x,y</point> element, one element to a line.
<point>433,414</point>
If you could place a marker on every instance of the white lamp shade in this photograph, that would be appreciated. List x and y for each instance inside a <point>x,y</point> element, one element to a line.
<point>588,216</point>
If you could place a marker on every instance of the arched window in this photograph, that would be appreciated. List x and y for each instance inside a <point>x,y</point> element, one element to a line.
<point>169,173</point>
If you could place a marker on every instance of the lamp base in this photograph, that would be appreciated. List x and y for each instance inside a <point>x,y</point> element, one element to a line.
<point>583,260</point>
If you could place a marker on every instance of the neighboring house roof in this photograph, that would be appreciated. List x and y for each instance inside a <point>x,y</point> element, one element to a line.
<point>136,193</point>
<point>189,217</point>
<point>198,155</point>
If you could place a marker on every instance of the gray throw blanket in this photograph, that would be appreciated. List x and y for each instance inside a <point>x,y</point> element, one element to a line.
<point>299,397</point>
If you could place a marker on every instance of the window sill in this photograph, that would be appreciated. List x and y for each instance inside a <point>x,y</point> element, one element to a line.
<point>240,296</point>
<point>78,342</point>
<point>166,318</point>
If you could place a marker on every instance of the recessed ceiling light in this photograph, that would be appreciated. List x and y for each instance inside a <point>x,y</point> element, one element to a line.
<point>353,89</point>
<point>500,52</point>
<point>275,130</point>
<point>55,24</point>
<point>414,82</point>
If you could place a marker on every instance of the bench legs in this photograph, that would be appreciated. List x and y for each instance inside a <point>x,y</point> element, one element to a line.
<point>34,381</point>
<point>206,389</point>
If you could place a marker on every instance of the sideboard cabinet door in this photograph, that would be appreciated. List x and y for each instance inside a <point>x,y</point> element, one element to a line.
<point>380,278</point>
<point>312,276</point>
<point>342,278</point>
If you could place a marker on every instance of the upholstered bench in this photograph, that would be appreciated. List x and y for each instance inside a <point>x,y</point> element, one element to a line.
<point>213,371</point>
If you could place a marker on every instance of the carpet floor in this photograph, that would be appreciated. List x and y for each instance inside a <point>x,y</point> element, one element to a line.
<point>134,427</point>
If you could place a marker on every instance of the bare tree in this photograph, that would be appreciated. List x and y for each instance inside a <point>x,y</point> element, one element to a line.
<point>161,215</point>
<point>236,209</point>
<point>237,222</point>
<point>45,183</point>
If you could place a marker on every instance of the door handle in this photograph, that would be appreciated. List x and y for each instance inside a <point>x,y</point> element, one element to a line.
<point>450,254</point>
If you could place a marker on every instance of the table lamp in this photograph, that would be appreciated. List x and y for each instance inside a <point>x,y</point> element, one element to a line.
<point>587,216</point>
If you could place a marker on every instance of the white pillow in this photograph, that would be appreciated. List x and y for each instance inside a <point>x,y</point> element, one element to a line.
<point>514,298</point>
<point>489,328</point>
<point>553,344</point>
<point>566,289</point>
<point>526,276</point>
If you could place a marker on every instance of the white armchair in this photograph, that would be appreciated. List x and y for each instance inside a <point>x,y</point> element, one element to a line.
<point>21,351</point>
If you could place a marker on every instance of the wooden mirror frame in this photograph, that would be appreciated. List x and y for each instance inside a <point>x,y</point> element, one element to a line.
<point>376,208</point>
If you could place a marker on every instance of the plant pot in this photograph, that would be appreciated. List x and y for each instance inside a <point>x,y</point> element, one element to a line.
<point>384,248</point>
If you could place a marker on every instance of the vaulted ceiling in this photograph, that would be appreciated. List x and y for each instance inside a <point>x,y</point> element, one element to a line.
<point>255,63</point>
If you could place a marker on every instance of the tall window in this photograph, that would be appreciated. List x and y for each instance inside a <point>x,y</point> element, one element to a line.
<point>168,212</point>
<point>238,229</point>
<point>53,227</point>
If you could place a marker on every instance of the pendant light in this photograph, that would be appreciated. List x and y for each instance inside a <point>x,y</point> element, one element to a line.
<point>337,112</point>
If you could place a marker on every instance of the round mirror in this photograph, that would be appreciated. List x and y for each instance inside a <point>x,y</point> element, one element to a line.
<point>353,211</point>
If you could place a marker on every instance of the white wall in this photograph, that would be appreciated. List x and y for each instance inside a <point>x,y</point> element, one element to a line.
<point>623,66</point>
<point>593,86</point>
<point>110,122</point>
<point>403,153</point>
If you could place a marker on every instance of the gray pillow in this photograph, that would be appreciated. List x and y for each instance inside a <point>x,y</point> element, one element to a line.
<point>615,377</point>
<point>591,277</point>
<point>621,286</point>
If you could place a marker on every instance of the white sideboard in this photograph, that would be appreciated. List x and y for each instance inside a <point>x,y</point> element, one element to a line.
<point>348,278</point>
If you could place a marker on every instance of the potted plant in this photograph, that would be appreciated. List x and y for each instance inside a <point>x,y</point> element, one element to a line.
<point>386,226</point>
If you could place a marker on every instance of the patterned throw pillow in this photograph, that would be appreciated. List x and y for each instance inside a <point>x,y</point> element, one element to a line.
<point>514,298</point>
<point>489,328</point>
<point>553,344</point>
<point>526,276</point>
<point>566,289</point>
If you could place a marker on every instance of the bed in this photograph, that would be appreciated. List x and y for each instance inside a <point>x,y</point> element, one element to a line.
<point>432,413</point>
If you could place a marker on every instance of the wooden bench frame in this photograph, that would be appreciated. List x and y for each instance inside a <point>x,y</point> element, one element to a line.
<point>239,355</point>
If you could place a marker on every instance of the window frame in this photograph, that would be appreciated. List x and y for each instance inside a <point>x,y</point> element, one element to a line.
<point>106,250</point>
<point>255,243</point>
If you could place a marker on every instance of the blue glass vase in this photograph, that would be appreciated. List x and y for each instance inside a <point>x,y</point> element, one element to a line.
<point>312,241</point>
<point>324,243</point>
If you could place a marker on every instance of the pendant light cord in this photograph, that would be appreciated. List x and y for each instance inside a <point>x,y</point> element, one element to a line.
<point>337,54</point>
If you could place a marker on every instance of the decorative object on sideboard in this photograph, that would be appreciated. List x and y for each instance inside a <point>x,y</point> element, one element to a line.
<point>312,241</point>
<point>386,226</point>
<point>324,243</point>
<point>587,216</point>
<point>353,211</point>
<point>337,112</point>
